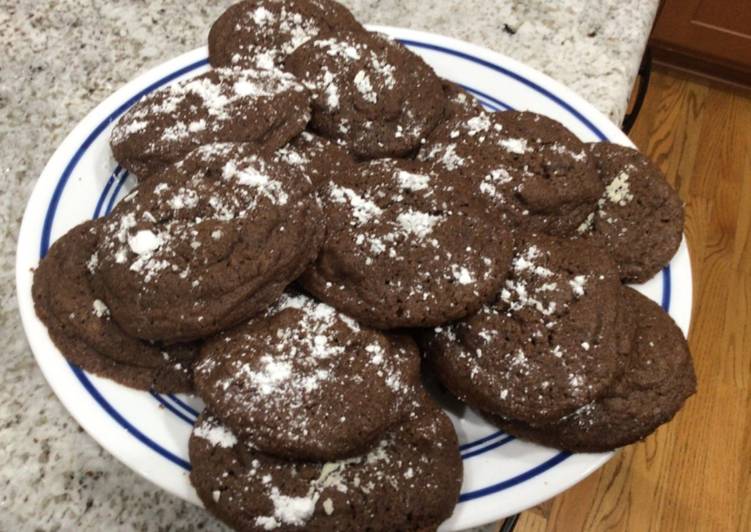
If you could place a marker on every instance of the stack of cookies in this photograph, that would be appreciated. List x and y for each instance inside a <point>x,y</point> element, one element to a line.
<point>317,217</point>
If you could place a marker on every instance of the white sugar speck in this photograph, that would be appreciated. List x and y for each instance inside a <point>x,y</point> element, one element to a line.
<point>362,209</point>
<point>144,242</point>
<point>619,191</point>
<point>365,87</point>
<point>577,284</point>
<point>514,145</point>
<point>217,435</point>
<point>417,223</point>
<point>101,310</point>
<point>412,181</point>
<point>462,274</point>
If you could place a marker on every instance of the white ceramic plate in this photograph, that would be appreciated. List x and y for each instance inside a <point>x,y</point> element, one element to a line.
<point>149,432</point>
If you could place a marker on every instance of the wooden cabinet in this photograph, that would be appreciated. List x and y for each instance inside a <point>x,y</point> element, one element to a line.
<point>712,37</point>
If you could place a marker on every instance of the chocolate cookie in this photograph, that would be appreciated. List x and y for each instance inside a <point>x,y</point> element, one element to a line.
<point>262,33</point>
<point>206,244</point>
<point>459,102</point>
<point>536,170</point>
<point>81,326</point>
<point>409,480</point>
<point>306,382</point>
<point>659,377</point>
<point>407,246</point>
<point>639,218</point>
<point>546,346</point>
<point>265,107</point>
<point>320,158</point>
<point>368,93</point>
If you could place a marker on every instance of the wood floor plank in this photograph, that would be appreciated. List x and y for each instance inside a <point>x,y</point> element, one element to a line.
<point>695,472</point>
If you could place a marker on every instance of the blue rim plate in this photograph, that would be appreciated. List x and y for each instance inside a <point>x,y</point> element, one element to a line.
<point>149,432</point>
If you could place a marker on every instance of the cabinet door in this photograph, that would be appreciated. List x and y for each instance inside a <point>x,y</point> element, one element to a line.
<point>713,36</point>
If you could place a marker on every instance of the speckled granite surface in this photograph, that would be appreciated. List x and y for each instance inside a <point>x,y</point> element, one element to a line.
<point>62,57</point>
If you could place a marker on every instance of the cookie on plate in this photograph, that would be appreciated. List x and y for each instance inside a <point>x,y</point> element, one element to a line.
<point>206,244</point>
<point>264,107</point>
<point>407,246</point>
<point>321,158</point>
<point>546,346</point>
<point>459,102</point>
<point>81,326</point>
<point>658,378</point>
<point>262,33</point>
<point>639,218</point>
<point>536,170</point>
<point>409,480</point>
<point>304,381</point>
<point>368,93</point>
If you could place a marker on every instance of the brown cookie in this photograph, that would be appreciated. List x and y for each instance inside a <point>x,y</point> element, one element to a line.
<point>659,377</point>
<point>459,102</point>
<point>306,382</point>
<point>639,218</point>
<point>81,326</point>
<point>262,33</point>
<point>264,107</point>
<point>409,480</point>
<point>206,244</point>
<point>407,246</point>
<point>536,170</point>
<point>546,346</point>
<point>368,93</point>
<point>321,159</point>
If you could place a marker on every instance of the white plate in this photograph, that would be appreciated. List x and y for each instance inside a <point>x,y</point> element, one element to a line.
<point>149,432</point>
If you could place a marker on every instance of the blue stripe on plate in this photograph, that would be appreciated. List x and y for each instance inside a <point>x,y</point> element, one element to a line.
<point>480,441</point>
<point>482,450</point>
<point>65,176</point>
<point>513,481</point>
<point>184,405</point>
<point>124,423</point>
<point>490,100</point>
<point>171,408</point>
<point>107,186</point>
<point>666,288</point>
<point>111,202</point>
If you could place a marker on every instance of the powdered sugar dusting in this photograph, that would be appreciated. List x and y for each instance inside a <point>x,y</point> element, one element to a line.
<point>100,309</point>
<point>362,209</point>
<point>178,110</point>
<point>419,224</point>
<point>216,434</point>
<point>413,182</point>
<point>514,145</point>
<point>618,190</point>
<point>294,361</point>
<point>365,87</point>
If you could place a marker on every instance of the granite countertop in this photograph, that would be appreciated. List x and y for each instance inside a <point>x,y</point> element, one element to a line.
<point>63,57</point>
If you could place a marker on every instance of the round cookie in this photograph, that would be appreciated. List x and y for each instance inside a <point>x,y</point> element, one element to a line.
<point>306,382</point>
<point>536,170</point>
<point>206,244</point>
<point>409,480</point>
<point>407,246</point>
<point>639,218</point>
<point>265,107</point>
<point>459,102</point>
<point>321,158</point>
<point>81,326</point>
<point>262,33</point>
<point>659,377</point>
<point>368,93</point>
<point>546,346</point>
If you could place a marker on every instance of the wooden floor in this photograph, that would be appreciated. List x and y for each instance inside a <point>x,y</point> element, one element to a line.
<point>694,473</point>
